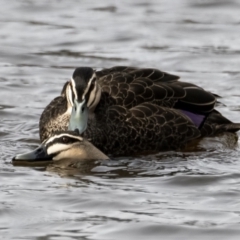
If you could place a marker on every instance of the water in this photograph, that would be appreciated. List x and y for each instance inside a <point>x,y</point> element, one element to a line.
<point>167,196</point>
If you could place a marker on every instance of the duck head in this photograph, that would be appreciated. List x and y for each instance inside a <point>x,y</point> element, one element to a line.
<point>63,145</point>
<point>83,93</point>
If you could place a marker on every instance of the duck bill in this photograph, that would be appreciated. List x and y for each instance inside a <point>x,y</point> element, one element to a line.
<point>79,117</point>
<point>37,155</point>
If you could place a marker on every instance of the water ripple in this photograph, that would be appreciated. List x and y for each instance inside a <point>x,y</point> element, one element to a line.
<point>170,195</point>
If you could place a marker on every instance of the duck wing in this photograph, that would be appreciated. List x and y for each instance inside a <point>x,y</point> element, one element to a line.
<point>196,99</point>
<point>150,73</point>
<point>144,127</point>
<point>130,87</point>
<point>117,69</point>
<point>135,86</point>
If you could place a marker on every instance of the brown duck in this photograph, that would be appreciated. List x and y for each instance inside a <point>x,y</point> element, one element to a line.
<point>126,110</point>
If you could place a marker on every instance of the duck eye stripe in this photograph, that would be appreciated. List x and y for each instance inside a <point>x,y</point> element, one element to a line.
<point>56,138</point>
<point>70,95</point>
<point>73,88</point>
<point>90,94</point>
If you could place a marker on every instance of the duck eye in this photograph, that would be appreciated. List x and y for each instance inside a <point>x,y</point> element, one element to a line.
<point>65,140</point>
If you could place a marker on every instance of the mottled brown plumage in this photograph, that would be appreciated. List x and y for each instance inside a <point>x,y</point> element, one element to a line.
<point>55,116</point>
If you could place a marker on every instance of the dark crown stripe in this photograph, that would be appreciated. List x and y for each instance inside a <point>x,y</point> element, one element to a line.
<point>81,81</point>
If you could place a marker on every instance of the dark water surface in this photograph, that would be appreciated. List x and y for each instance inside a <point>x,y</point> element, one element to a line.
<point>168,196</point>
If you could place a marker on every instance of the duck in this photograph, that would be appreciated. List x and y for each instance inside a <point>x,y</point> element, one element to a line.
<point>127,110</point>
<point>62,145</point>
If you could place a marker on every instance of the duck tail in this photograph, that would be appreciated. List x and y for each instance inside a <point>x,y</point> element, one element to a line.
<point>216,123</point>
<point>230,127</point>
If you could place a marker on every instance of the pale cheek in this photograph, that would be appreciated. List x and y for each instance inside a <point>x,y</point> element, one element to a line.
<point>56,148</point>
<point>71,155</point>
<point>62,155</point>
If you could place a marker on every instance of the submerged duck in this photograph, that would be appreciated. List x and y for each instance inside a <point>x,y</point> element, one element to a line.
<point>63,145</point>
<point>125,110</point>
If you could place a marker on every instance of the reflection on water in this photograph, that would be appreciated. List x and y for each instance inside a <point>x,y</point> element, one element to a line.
<point>171,195</point>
